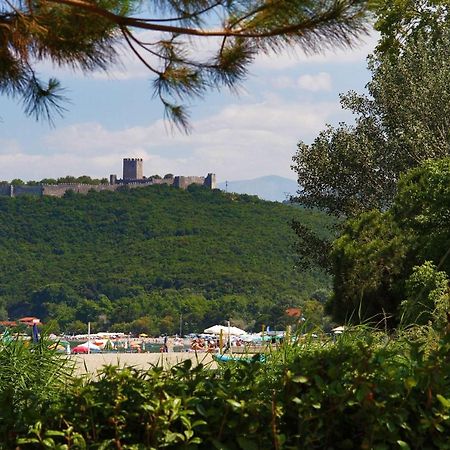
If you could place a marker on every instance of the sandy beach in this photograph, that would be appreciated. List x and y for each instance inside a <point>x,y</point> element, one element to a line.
<point>90,364</point>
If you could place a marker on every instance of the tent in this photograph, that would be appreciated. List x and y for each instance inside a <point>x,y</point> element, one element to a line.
<point>217,329</point>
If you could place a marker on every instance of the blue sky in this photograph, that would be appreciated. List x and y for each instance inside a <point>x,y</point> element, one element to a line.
<point>286,98</point>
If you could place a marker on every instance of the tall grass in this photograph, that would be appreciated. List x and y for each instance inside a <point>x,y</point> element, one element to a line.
<point>33,378</point>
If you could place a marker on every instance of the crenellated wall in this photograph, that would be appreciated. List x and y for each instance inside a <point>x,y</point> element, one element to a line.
<point>58,190</point>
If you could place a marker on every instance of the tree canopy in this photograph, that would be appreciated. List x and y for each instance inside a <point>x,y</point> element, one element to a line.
<point>403,121</point>
<point>84,35</point>
<point>136,259</point>
<point>381,256</point>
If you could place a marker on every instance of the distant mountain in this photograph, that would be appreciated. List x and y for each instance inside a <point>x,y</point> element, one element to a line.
<point>271,187</point>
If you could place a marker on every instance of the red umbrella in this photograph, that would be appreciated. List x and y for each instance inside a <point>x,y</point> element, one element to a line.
<point>80,349</point>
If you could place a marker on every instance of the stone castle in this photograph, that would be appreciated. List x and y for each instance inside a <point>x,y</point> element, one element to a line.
<point>133,177</point>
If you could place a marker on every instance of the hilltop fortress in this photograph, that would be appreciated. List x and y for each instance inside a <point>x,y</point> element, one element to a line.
<point>133,177</point>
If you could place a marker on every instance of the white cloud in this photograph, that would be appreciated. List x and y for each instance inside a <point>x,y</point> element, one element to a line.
<point>315,83</point>
<point>239,141</point>
<point>283,82</point>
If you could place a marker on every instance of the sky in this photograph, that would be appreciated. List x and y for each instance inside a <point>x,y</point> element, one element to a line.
<point>286,98</point>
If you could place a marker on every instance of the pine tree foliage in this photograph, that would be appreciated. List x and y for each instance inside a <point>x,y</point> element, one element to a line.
<point>168,36</point>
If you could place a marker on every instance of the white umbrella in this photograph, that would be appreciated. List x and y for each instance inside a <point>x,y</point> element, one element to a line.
<point>217,329</point>
<point>237,331</point>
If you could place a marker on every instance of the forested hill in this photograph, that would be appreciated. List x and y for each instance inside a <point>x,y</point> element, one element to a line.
<point>145,256</point>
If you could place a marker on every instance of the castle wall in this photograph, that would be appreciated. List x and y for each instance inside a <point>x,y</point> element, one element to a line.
<point>184,182</point>
<point>5,189</point>
<point>27,190</point>
<point>132,178</point>
<point>168,181</point>
<point>58,190</point>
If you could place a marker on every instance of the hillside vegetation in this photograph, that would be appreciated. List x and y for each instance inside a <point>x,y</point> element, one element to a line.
<point>145,256</point>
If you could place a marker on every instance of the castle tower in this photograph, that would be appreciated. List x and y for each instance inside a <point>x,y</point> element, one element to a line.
<point>210,181</point>
<point>133,169</point>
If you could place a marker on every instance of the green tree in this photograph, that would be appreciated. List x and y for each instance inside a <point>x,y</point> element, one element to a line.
<point>82,34</point>
<point>399,21</point>
<point>401,122</point>
<point>422,208</point>
<point>368,264</point>
<point>404,121</point>
<point>3,310</point>
<point>427,296</point>
<point>313,313</point>
<point>375,258</point>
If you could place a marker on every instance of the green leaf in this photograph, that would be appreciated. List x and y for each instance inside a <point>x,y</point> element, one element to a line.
<point>300,379</point>
<point>410,383</point>
<point>403,445</point>
<point>444,402</point>
<point>234,403</point>
<point>219,445</point>
<point>247,444</point>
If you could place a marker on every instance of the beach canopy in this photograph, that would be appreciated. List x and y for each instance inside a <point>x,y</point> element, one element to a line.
<point>217,329</point>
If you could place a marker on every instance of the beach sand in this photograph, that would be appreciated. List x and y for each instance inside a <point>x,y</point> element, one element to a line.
<point>91,364</point>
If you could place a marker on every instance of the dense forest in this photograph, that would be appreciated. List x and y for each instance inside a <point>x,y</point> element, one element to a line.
<point>155,260</point>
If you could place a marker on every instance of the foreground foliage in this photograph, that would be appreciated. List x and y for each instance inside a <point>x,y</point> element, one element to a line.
<point>366,390</point>
<point>32,378</point>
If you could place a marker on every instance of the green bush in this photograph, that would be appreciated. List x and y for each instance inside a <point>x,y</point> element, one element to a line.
<point>365,390</point>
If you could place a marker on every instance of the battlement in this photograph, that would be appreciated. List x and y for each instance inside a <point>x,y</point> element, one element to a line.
<point>133,159</point>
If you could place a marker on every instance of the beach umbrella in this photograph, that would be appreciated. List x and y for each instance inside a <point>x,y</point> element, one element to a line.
<point>80,349</point>
<point>235,331</point>
<point>91,346</point>
<point>87,347</point>
<point>58,347</point>
<point>217,329</point>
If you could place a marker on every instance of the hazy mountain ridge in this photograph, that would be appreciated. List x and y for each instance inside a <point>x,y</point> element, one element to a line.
<point>271,187</point>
